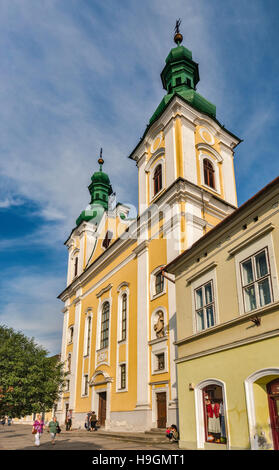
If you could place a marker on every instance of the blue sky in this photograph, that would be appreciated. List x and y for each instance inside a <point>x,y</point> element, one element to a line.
<point>77,75</point>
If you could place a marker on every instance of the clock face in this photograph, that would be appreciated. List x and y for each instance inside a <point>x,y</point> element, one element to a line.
<point>206,136</point>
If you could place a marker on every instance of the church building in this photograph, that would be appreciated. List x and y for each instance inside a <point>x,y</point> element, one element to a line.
<point>119,310</point>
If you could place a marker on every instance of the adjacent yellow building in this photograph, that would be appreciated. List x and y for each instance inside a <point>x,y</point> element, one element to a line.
<point>119,311</point>
<point>227,297</point>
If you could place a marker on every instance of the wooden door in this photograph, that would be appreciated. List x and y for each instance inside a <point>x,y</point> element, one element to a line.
<point>273,401</point>
<point>102,408</point>
<point>161,410</point>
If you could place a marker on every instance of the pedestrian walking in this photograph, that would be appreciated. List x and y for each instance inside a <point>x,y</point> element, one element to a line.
<point>69,420</point>
<point>54,429</point>
<point>37,430</point>
<point>93,421</point>
<point>9,420</point>
<point>3,421</point>
<point>88,424</point>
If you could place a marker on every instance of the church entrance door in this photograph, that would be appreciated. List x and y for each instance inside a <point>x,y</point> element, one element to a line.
<point>102,408</point>
<point>161,410</point>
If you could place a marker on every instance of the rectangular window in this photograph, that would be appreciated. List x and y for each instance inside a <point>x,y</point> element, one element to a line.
<point>123,376</point>
<point>205,306</point>
<point>256,281</point>
<point>71,334</point>
<point>124,317</point>
<point>160,361</point>
<point>105,326</point>
<point>86,384</point>
<point>87,336</point>
<point>159,283</point>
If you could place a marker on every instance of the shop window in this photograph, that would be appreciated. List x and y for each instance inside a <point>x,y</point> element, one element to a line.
<point>214,416</point>
<point>205,306</point>
<point>256,281</point>
<point>208,172</point>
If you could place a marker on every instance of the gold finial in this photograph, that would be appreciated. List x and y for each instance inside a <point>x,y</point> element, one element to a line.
<point>178,38</point>
<point>101,161</point>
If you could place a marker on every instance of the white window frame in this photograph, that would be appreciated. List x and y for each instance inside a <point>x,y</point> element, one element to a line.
<point>119,388</point>
<point>87,337</point>
<point>99,324</point>
<point>205,305</point>
<point>251,249</point>
<point>153,294</point>
<point>206,156</point>
<point>75,255</point>
<point>71,334</point>
<point>84,394</point>
<point>159,161</point>
<point>157,349</point>
<point>256,281</point>
<point>209,276</point>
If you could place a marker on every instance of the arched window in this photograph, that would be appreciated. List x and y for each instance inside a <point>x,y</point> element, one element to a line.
<point>87,336</point>
<point>124,317</point>
<point>214,414</point>
<point>76,266</point>
<point>157,179</point>
<point>208,172</point>
<point>107,239</point>
<point>105,326</point>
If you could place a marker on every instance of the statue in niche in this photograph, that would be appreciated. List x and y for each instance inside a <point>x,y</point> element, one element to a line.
<point>159,326</point>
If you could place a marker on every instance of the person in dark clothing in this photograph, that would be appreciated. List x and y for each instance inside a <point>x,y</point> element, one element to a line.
<point>93,421</point>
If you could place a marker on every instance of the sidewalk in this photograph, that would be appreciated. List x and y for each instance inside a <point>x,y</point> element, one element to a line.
<point>148,437</point>
<point>20,437</point>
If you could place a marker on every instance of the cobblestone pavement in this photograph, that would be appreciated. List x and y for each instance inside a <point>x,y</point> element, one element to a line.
<point>19,437</point>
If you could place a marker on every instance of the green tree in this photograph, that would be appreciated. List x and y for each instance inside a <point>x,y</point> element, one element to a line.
<point>30,381</point>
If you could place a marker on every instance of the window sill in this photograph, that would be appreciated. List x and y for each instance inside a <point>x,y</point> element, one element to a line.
<point>241,318</point>
<point>209,188</point>
<point>156,296</point>
<point>157,195</point>
<point>122,341</point>
<point>158,372</point>
<point>122,390</point>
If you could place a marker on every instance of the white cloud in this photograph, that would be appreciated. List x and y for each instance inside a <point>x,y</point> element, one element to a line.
<point>30,305</point>
<point>10,202</point>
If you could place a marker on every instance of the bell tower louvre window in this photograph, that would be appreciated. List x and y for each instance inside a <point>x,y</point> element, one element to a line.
<point>107,239</point>
<point>208,171</point>
<point>76,267</point>
<point>157,179</point>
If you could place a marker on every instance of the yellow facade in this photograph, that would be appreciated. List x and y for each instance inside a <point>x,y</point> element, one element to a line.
<point>123,376</point>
